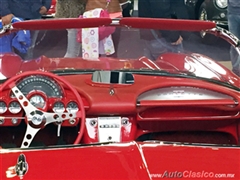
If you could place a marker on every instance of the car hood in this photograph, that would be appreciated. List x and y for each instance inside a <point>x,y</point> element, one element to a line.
<point>132,160</point>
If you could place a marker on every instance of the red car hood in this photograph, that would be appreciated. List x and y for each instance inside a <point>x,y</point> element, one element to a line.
<point>149,160</point>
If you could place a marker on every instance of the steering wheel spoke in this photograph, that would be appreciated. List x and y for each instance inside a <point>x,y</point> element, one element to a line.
<point>29,135</point>
<point>57,117</point>
<point>26,105</point>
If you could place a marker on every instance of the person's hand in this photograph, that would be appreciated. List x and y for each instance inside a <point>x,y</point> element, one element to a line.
<point>7,19</point>
<point>179,41</point>
<point>43,10</point>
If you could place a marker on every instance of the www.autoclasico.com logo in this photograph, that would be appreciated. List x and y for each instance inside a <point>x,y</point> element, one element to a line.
<point>192,174</point>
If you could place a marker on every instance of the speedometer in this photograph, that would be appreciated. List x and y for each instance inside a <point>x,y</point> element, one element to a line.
<point>40,83</point>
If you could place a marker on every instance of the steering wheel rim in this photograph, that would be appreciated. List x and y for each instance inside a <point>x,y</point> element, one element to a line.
<point>11,84</point>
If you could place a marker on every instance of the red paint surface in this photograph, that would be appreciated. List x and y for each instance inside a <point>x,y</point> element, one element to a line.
<point>126,161</point>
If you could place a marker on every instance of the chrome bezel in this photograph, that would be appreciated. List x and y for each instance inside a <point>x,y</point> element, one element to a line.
<point>56,109</point>
<point>12,111</point>
<point>37,104</point>
<point>71,110</point>
<point>222,4</point>
<point>3,109</point>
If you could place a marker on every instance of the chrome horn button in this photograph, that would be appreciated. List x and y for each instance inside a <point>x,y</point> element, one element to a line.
<point>37,118</point>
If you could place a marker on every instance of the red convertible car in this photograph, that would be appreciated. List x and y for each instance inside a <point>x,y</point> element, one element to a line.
<point>130,106</point>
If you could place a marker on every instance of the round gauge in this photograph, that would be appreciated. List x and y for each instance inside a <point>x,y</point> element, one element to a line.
<point>14,107</point>
<point>58,107</point>
<point>40,83</point>
<point>72,107</point>
<point>37,101</point>
<point>3,107</point>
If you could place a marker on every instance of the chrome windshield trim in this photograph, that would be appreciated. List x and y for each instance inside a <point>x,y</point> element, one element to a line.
<point>224,34</point>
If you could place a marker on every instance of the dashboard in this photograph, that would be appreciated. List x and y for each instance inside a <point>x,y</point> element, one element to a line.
<point>119,111</point>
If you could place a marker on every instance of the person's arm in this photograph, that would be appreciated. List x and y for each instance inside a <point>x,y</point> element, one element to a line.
<point>47,4</point>
<point>170,36</point>
<point>163,9</point>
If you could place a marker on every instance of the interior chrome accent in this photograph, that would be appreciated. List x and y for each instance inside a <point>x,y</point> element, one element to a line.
<point>181,93</point>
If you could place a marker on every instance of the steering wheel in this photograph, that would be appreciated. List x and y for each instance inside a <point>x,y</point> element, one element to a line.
<point>38,119</point>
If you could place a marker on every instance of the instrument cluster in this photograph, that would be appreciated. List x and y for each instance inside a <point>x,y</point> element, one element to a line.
<point>42,92</point>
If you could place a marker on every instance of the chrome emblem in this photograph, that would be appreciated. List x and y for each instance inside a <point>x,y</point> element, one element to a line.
<point>20,169</point>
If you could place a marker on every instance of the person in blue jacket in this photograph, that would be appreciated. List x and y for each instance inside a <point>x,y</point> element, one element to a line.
<point>234,27</point>
<point>19,40</point>
<point>27,10</point>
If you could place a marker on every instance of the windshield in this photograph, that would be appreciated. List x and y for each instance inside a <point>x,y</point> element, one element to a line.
<point>122,47</point>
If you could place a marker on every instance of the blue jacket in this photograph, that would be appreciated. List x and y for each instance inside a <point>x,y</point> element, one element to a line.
<point>234,7</point>
<point>20,40</point>
<point>26,9</point>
